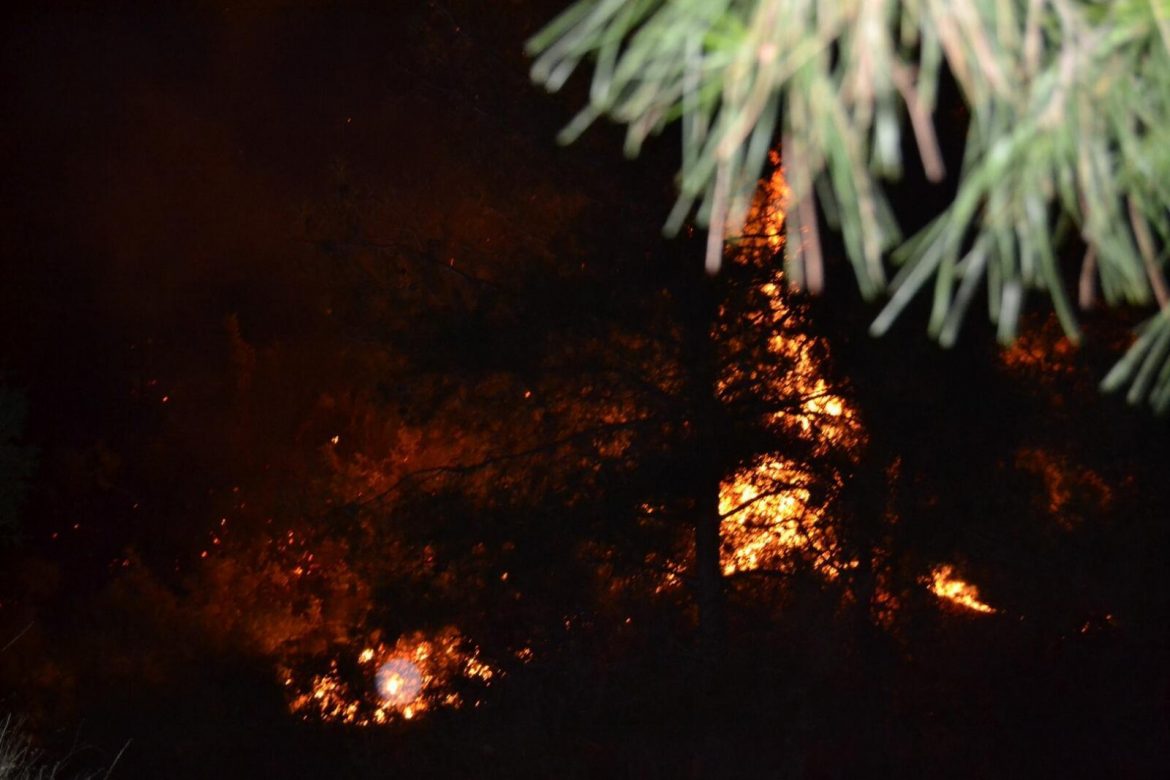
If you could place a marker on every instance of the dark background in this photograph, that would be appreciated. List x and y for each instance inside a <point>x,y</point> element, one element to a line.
<point>181,191</point>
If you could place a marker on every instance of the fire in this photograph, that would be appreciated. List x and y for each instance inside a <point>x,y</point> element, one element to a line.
<point>770,516</point>
<point>399,683</point>
<point>417,674</point>
<point>1042,350</point>
<point>1067,484</point>
<point>766,516</point>
<point>946,586</point>
<point>299,599</point>
<point>764,224</point>
<point>767,508</point>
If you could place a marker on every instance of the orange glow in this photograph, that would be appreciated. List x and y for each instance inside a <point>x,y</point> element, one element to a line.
<point>946,586</point>
<point>763,228</point>
<point>1042,349</point>
<point>414,676</point>
<point>767,508</point>
<point>298,600</point>
<point>766,516</point>
<point>1065,484</point>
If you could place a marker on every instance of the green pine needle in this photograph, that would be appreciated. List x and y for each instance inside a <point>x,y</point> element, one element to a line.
<point>1069,124</point>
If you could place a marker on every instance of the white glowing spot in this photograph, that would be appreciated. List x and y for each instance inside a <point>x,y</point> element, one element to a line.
<point>399,682</point>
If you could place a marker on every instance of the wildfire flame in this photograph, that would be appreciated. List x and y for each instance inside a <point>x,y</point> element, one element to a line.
<point>946,586</point>
<point>766,516</point>
<point>769,515</point>
<point>417,674</point>
<point>399,682</point>
<point>1042,350</point>
<point>766,508</point>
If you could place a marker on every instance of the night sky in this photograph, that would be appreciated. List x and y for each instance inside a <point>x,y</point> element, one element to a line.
<point>258,256</point>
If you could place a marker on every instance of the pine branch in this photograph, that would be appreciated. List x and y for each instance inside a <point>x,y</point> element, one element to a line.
<point>1069,119</point>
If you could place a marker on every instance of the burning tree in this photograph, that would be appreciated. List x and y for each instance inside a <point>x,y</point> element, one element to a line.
<point>687,426</point>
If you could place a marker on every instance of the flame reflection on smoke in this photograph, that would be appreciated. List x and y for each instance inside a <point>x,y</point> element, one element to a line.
<point>399,682</point>
<point>420,672</point>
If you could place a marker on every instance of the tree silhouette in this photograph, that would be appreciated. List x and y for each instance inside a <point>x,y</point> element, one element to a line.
<point>668,403</point>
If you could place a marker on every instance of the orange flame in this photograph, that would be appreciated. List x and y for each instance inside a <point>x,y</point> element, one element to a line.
<point>416,675</point>
<point>946,586</point>
<point>766,510</point>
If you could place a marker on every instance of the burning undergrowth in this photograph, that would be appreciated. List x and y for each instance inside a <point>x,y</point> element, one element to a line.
<point>379,683</point>
<point>306,601</point>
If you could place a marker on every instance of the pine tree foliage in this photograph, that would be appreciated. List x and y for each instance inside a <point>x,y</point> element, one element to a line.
<point>1068,136</point>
